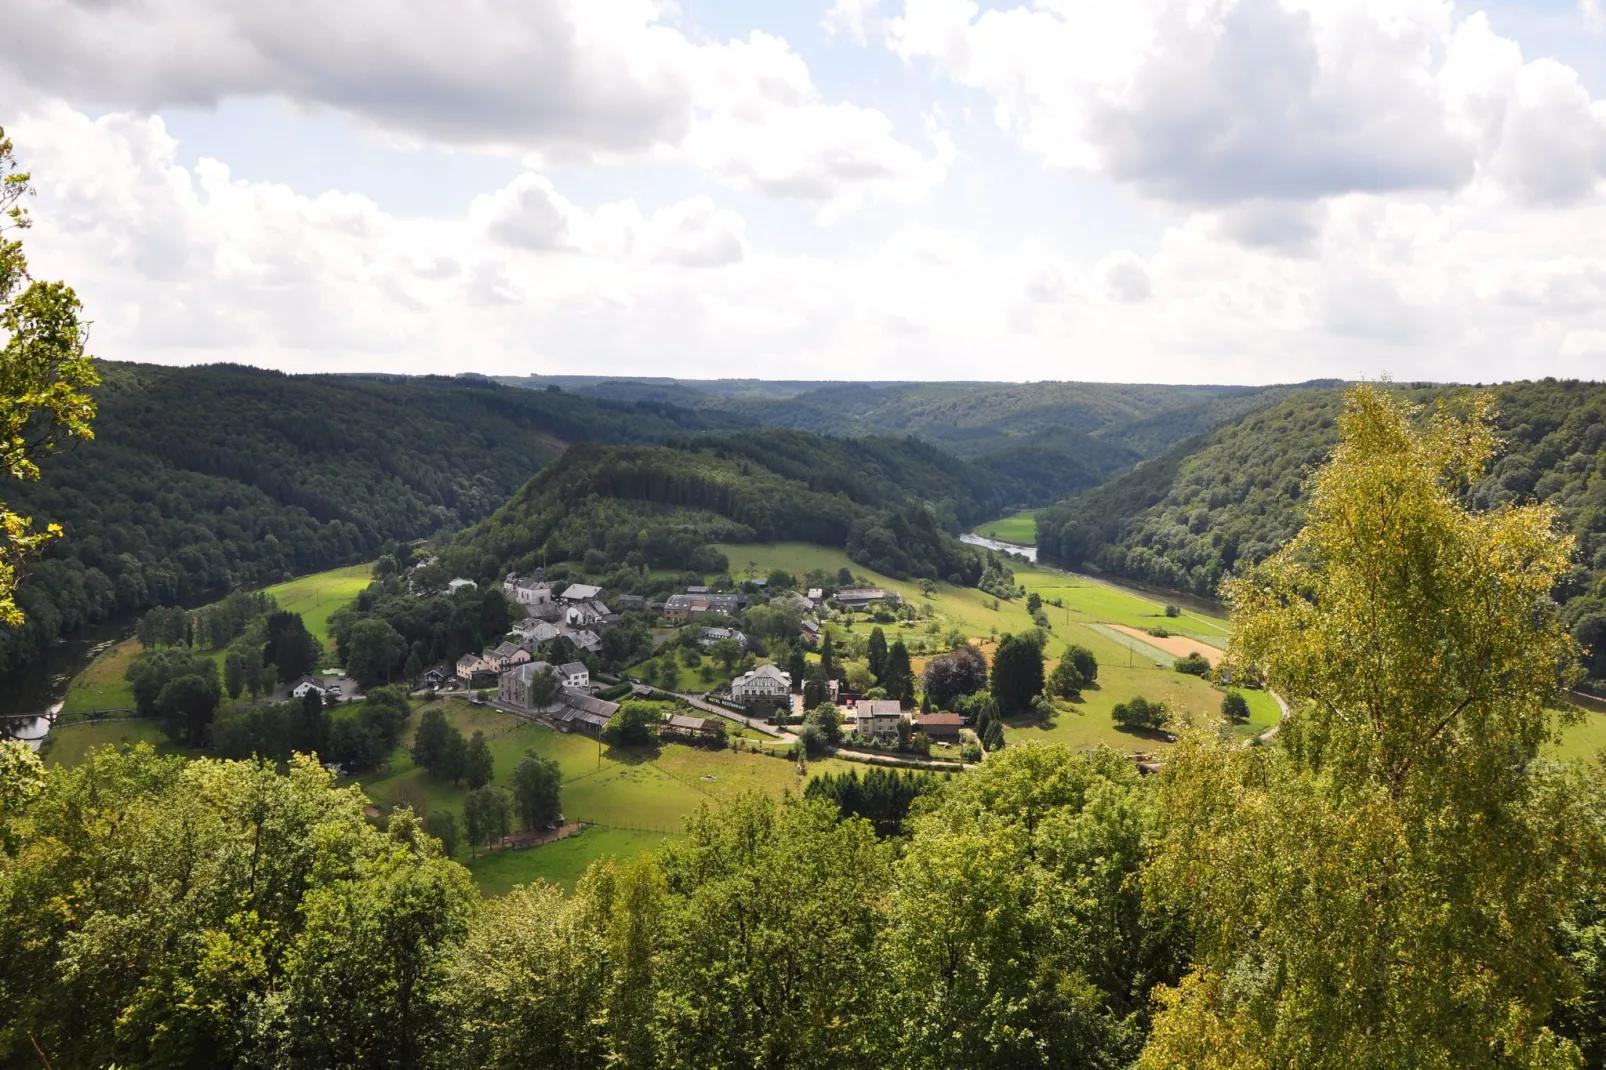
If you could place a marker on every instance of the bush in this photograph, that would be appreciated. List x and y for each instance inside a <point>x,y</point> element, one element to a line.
<point>1195,664</point>
<point>1140,713</point>
<point>1172,611</point>
<point>1159,633</point>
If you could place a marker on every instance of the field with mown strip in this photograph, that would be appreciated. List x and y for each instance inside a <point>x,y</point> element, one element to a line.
<point>1020,529</point>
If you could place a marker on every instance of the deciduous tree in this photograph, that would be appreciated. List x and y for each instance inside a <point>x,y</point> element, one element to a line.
<point>1389,882</point>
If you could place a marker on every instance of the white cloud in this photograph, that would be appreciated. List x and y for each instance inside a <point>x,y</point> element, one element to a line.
<point>1593,14</point>
<point>563,80</point>
<point>854,18</point>
<point>1495,277</point>
<point>1125,278</point>
<point>1209,102</point>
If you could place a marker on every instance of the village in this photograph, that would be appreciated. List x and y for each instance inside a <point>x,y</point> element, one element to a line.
<point>555,619</point>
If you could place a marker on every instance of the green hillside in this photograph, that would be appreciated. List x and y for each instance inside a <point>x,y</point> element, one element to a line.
<point>664,507</point>
<point>204,479</point>
<point>1227,499</point>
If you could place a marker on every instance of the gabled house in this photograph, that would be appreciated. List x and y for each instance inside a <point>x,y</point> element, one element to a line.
<point>306,685</point>
<point>433,679</point>
<point>468,665</point>
<point>766,681</point>
<point>504,657</point>
<point>527,592</point>
<point>684,727</point>
<point>877,718</point>
<point>574,674</point>
<point>585,639</point>
<point>514,686</point>
<point>534,633</point>
<point>710,636</point>
<point>582,615</point>
<point>630,603</point>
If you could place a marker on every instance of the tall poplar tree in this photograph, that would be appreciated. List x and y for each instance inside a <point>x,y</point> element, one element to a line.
<point>1384,888</point>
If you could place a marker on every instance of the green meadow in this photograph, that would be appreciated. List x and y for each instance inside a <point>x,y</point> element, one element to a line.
<point>316,597</point>
<point>1020,529</point>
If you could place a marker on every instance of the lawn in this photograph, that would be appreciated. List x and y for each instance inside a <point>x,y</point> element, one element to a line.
<point>70,744</point>
<point>317,596</point>
<point>101,685</point>
<point>1020,529</point>
<point>559,863</point>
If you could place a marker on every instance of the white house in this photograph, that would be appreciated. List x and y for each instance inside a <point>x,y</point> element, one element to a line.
<point>766,681</point>
<point>529,592</point>
<point>575,674</point>
<point>307,684</point>
<point>458,584</point>
<point>580,592</point>
<point>582,615</point>
<point>877,718</point>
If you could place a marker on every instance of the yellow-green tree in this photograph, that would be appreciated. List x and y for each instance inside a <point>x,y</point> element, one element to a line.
<point>1382,889</point>
<point>44,373</point>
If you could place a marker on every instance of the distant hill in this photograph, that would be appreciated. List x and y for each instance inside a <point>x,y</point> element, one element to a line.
<point>1050,439</point>
<point>882,500</point>
<point>1232,496</point>
<point>200,479</point>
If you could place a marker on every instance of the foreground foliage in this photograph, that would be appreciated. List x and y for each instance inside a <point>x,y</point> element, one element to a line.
<point>1385,888</point>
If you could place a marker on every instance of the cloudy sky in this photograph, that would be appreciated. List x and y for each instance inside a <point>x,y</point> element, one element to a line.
<point>1130,190</point>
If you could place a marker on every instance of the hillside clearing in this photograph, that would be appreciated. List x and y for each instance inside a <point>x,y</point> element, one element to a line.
<point>1020,529</point>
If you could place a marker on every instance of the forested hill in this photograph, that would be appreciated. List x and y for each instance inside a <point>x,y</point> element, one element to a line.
<point>664,506</point>
<point>200,479</point>
<point>1050,439</point>
<point>1232,496</point>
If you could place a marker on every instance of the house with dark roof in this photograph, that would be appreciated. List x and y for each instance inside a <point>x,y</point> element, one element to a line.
<point>940,727</point>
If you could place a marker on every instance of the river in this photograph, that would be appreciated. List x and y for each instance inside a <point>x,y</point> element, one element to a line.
<point>1028,552</point>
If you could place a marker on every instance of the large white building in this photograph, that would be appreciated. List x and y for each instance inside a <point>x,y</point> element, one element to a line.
<point>766,681</point>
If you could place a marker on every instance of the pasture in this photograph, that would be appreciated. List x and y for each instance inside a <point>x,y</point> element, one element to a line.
<point>316,597</point>
<point>69,744</point>
<point>1020,529</point>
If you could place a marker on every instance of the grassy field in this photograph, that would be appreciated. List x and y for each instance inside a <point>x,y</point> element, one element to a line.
<point>1020,529</point>
<point>1086,602</point>
<point>560,863</point>
<point>70,744</point>
<point>101,686</point>
<point>1583,741</point>
<point>637,797</point>
<point>317,596</point>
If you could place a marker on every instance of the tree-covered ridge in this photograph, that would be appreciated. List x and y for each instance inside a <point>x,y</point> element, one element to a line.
<point>208,478</point>
<point>666,505</point>
<point>875,470</point>
<point>1060,436</point>
<point>1229,499</point>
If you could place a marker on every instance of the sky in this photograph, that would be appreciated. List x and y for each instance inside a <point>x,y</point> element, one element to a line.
<point>1223,191</point>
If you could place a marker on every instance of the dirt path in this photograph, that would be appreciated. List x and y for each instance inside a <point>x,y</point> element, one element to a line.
<point>1178,645</point>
